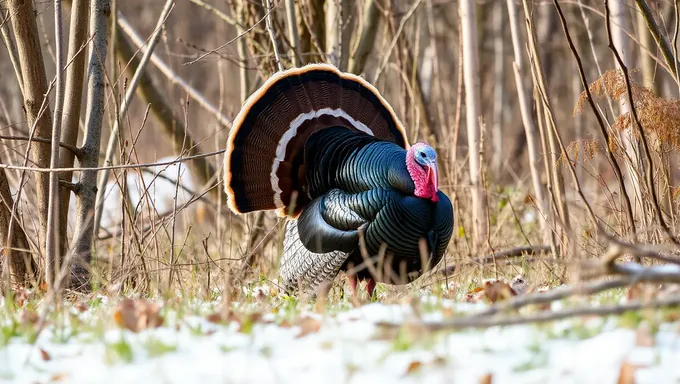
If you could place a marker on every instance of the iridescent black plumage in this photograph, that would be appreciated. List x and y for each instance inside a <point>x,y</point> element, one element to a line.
<point>327,150</point>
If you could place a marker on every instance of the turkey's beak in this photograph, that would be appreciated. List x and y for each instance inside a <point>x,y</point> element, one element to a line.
<point>433,176</point>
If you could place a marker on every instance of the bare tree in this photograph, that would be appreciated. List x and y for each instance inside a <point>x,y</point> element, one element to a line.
<point>94,113</point>
<point>619,9</point>
<point>16,261</point>
<point>468,18</point>
<point>35,90</point>
<point>339,25</point>
<point>129,94</point>
<point>527,120</point>
<point>499,87</point>
<point>366,36</point>
<point>73,95</point>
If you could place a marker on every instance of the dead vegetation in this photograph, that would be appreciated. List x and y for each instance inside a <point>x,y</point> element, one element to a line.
<point>552,199</point>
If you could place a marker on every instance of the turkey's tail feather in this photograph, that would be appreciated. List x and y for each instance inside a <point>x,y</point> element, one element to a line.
<point>264,161</point>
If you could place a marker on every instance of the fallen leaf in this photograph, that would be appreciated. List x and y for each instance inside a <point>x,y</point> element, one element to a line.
<point>28,317</point>
<point>414,366</point>
<point>498,290</point>
<point>216,318</point>
<point>58,377</point>
<point>308,325</point>
<point>81,306</point>
<point>45,356</point>
<point>137,315</point>
<point>644,337</point>
<point>486,379</point>
<point>20,296</point>
<point>634,292</point>
<point>626,373</point>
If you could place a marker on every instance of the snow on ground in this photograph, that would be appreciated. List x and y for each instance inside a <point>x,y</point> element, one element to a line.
<point>348,348</point>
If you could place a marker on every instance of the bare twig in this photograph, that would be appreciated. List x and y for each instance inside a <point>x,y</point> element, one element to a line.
<point>649,162</point>
<point>12,51</point>
<point>171,75</point>
<point>600,121</point>
<point>505,254</point>
<point>654,28</point>
<point>111,167</point>
<point>272,34</point>
<point>129,94</point>
<point>293,36</point>
<point>542,317</point>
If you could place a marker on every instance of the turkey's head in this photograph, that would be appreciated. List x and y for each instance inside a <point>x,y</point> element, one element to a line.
<point>421,162</point>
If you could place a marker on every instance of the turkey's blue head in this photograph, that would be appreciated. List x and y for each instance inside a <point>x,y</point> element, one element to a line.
<point>421,162</point>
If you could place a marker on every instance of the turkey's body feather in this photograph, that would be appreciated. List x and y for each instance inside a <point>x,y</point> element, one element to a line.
<point>323,148</point>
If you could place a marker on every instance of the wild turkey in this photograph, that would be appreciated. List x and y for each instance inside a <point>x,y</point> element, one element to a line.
<point>325,150</point>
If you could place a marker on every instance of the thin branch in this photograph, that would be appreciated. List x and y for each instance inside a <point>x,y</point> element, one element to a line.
<point>111,167</point>
<point>52,255</point>
<point>654,28</point>
<point>293,36</point>
<point>12,51</point>
<point>272,34</point>
<point>71,148</point>
<point>638,124</point>
<point>505,254</point>
<point>600,121</point>
<point>129,94</point>
<point>541,317</point>
<point>171,75</point>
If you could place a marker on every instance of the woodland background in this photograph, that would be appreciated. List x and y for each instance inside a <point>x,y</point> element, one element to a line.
<point>496,86</point>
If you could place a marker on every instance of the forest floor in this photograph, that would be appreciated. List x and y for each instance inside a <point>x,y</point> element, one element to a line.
<point>273,338</point>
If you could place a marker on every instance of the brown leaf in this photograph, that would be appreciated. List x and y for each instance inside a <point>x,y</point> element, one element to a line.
<point>137,315</point>
<point>81,306</point>
<point>626,373</point>
<point>20,296</point>
<point>498,290</point>
<point>58,377</point>
<point>414,366</point>
<point>308,325</point>
<point>634,292</point>
<point>28,317</point>
<point>486,379</point>
<point>215,318</point>
<point>45,356</point>
<point>643,336</point>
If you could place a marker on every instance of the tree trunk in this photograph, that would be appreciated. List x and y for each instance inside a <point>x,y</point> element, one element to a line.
<point>471,78</point>
<point>367,37</point>
<point>100,12</point>
<point>35,90</point>
<point>70,120</point>
<point>499,89</point>
<point>630,145</point>
<point>339,26</point>
<point>22,267</point>
<point>527,119</point>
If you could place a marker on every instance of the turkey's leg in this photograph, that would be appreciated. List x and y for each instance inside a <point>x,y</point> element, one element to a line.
<point>370,288</point>
<point>352,280</point>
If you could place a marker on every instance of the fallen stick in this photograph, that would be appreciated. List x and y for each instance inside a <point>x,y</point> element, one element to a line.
<point>541,317</point>
<point>508,253</point>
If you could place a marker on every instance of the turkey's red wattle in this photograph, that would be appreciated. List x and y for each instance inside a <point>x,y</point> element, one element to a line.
<point>426,179</point>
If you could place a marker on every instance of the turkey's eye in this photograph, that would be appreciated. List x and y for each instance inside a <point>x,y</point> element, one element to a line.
<point>423,155</point>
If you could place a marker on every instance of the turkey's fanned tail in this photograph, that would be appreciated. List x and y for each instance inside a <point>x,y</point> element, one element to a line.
<point>264,161</point>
